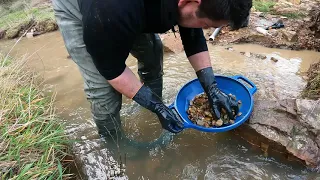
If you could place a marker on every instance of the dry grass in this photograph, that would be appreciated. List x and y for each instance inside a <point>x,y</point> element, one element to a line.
<point>32,139</point>
<point>312,89</point>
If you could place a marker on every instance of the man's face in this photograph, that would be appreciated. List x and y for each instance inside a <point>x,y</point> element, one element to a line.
<point>188,17</point>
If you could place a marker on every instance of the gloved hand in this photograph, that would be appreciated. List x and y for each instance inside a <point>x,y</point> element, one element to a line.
<point>217,98</point>
<point>148,99</point>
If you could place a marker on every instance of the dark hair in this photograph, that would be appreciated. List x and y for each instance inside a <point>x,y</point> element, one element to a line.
<point>234,11</point>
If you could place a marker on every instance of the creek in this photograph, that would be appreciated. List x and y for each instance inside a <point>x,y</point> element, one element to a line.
<point>191,154</point>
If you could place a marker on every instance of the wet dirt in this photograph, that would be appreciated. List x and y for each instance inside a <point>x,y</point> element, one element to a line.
<point>191,155</point>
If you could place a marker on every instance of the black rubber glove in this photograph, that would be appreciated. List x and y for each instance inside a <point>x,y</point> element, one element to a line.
<point>217,98</point>
<point>148,99</point>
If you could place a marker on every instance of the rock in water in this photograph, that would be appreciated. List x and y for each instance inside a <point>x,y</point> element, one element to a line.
<point>290,126</point>
<point>274,59</point>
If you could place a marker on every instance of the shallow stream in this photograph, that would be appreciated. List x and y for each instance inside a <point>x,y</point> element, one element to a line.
<point>191,155</point>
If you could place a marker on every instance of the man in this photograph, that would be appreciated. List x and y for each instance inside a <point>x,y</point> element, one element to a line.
<point>100,34</point>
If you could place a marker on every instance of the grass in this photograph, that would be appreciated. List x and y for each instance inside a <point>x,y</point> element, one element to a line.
<point>14,19</point>
<point>294,15</point>
<point>32,140</point>
<point>263,6</point>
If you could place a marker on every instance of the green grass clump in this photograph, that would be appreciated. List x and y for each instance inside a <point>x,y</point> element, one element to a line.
<point>32,140</point>
<point>263,6</point>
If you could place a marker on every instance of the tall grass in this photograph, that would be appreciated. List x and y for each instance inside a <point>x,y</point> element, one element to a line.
<point>32,140</point>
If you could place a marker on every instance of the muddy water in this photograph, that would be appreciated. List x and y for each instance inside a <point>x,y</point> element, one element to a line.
<point>191,155</point>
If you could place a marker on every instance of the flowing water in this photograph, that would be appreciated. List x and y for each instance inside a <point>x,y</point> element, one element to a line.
<point>191,154</point>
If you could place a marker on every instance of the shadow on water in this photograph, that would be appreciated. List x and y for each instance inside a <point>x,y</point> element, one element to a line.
<point>191,154</point>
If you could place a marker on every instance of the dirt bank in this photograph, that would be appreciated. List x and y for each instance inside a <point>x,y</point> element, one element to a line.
<point>297,33</point>
<point>35,18</point>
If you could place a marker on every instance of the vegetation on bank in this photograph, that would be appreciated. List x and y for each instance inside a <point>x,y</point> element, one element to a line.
<point>267,6</point>
<point>19,16</point>
<point>263,6</point>
<point>32,140</point>
<point>312,90</point>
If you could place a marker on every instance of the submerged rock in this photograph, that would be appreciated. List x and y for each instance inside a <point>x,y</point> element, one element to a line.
<point>290,126</point>
<point>96,161</point>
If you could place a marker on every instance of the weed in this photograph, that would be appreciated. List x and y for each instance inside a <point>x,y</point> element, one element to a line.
<point>263,6</point>
<point>32,140</point>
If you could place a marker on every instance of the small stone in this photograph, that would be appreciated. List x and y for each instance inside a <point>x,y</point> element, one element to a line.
<point>239,102</point>
<point>247,54</point>
<point>29,35</point>
<point>242,53</point>
<point>213,123</point>
<point>229,48</point>
<point>206,124</point>
<point>240,113</point>
<point>290,36</point>
<point>305,77</point>
<point>231,121</point>
<point>274,59</point>
<point>261,56</point>
<point>219,123</point>
<point>207,113</point>
<point>200,122</point>
<point>207,119</point>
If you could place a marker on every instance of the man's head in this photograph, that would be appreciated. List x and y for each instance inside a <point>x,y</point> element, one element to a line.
<point>213,13</point>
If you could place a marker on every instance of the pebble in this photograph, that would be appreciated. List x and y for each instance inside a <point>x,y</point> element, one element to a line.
<point>200,122</point>
<point>219,123</point>
<point>229,48</point>
<point>274,59</point>
<point>248,54</point>
<point>261,56</point>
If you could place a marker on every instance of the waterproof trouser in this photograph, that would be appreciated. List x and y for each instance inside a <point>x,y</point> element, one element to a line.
<point>104,99</point>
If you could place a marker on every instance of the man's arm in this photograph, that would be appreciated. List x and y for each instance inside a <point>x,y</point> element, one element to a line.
<point>127,83</point>
<point>200,60</point>
<point>195,47</point>
<point>109,34</point>
<point>197,52</point>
